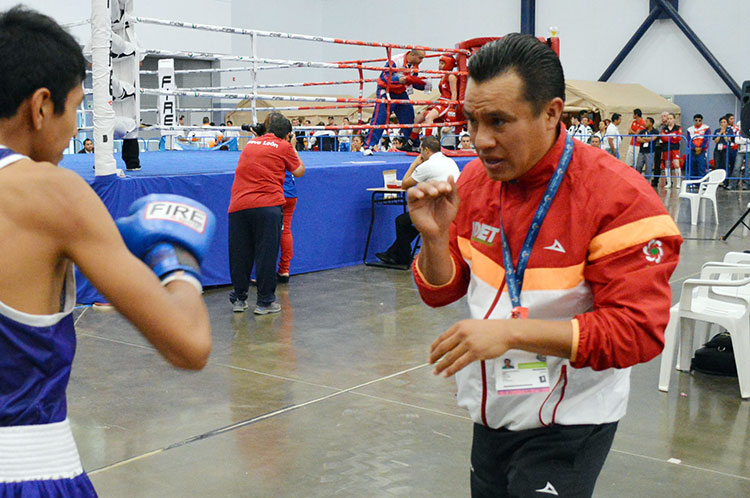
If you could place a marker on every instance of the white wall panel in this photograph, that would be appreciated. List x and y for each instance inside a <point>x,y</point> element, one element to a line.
<point>592,33</point>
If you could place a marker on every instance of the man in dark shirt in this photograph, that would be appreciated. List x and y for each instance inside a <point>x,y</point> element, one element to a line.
<point>646,137</point>
<point>658,152</point>
<point>88,147</point>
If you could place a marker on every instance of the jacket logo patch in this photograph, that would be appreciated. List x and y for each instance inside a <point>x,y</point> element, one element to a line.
<point>653,251</point>
<point>556,246</point>
<point>548,489</point>
<point>484,234</point>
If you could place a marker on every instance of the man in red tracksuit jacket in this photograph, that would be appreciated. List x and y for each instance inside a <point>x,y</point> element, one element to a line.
<point>547,389</point>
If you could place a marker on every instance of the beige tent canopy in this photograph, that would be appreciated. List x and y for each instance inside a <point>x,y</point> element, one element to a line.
<point>607,98</point>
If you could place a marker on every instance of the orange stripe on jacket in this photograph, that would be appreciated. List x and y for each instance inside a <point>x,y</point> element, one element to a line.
<point>631,234</point>
<point>534,279</point>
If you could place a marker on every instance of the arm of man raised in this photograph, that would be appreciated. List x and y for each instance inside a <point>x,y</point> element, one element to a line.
<point>433,206</point>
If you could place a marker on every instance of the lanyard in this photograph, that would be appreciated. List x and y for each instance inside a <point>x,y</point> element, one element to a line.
<point>514,275</point>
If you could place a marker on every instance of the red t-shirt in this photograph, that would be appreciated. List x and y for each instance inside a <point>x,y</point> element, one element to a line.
<point>635,128</point>
<point>259,178</point>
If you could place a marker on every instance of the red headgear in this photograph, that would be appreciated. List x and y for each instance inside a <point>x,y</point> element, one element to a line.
<point>448,62</point>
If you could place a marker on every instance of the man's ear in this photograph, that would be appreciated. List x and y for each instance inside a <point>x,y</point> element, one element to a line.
<point>553,112</point>
<point>41,107</point>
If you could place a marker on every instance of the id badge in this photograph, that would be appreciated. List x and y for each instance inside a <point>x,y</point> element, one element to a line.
<point>521,372</point>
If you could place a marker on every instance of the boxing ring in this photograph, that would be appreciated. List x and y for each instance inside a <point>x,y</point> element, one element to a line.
<point>329,225</point>
<point>333,212</point>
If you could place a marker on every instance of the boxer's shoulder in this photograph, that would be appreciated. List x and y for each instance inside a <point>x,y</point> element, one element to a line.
<point>41,193</point>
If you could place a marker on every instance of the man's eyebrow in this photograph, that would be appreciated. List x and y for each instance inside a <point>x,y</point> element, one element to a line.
<point>492,115</point>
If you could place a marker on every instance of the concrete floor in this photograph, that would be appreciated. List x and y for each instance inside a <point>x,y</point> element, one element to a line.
<point>333,398</point>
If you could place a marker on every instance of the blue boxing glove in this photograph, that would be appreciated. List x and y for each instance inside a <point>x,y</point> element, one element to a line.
<point>170,233</point>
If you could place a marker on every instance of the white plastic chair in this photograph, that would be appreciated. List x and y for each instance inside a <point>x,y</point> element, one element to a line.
<point>699,301</point>
<point>707,187</point>
<point>731,259</point>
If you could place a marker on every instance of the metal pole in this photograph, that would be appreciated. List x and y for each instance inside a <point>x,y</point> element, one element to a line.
<point>253,103</point>
<point>653,15</point>
<point>528,17</point>
<point>704,51</point>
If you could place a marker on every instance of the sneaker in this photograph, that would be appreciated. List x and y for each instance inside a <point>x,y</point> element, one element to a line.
<point>239,306</point>
<point>386,258</point>
<point>265,310</point>
<point>282,279</point>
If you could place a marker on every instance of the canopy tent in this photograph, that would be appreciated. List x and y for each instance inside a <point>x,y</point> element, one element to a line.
<point>608,98</point>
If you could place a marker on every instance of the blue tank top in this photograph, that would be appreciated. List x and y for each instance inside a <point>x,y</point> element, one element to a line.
<point>290,186</point>
<point>36,354</point>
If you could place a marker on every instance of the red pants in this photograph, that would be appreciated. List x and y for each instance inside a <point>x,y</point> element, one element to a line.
<point>287,244</point>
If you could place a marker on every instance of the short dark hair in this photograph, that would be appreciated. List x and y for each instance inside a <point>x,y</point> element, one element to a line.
<point>431,143</point>
<point>229,122</point>
<point>36,52</point>
<point>616,116</point>
<point>536,64</point>
<point>650,120</point>
<point>279,125</point>
<point>86,140</point>
<point>206,120</point>
<point>182,116</point>
<point>359,137</point>
<point>698,116</point>
<point>637,112</point>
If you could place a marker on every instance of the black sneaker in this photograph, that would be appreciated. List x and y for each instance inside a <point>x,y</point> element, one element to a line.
<point>386,258</point>
<point>267,310</point>
<point>239,306</point>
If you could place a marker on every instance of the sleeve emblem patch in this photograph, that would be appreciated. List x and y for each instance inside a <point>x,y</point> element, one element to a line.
<point>653,251</point>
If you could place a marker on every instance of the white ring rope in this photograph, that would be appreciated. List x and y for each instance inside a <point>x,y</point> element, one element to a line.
<point>291,36</point>
<point>225,70</point>
<point>74,24</point>
<point>289,98</point>
<point>289,63</point>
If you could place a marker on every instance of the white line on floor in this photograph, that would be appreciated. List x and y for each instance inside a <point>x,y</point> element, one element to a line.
<point>124,343</point>
<point>80,316</point>
<point>725,474</point>
<point>274,376</point>
<point>401,403</point>
<point>259,418</point>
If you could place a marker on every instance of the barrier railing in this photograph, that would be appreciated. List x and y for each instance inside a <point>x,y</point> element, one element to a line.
<point>729,152</point>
